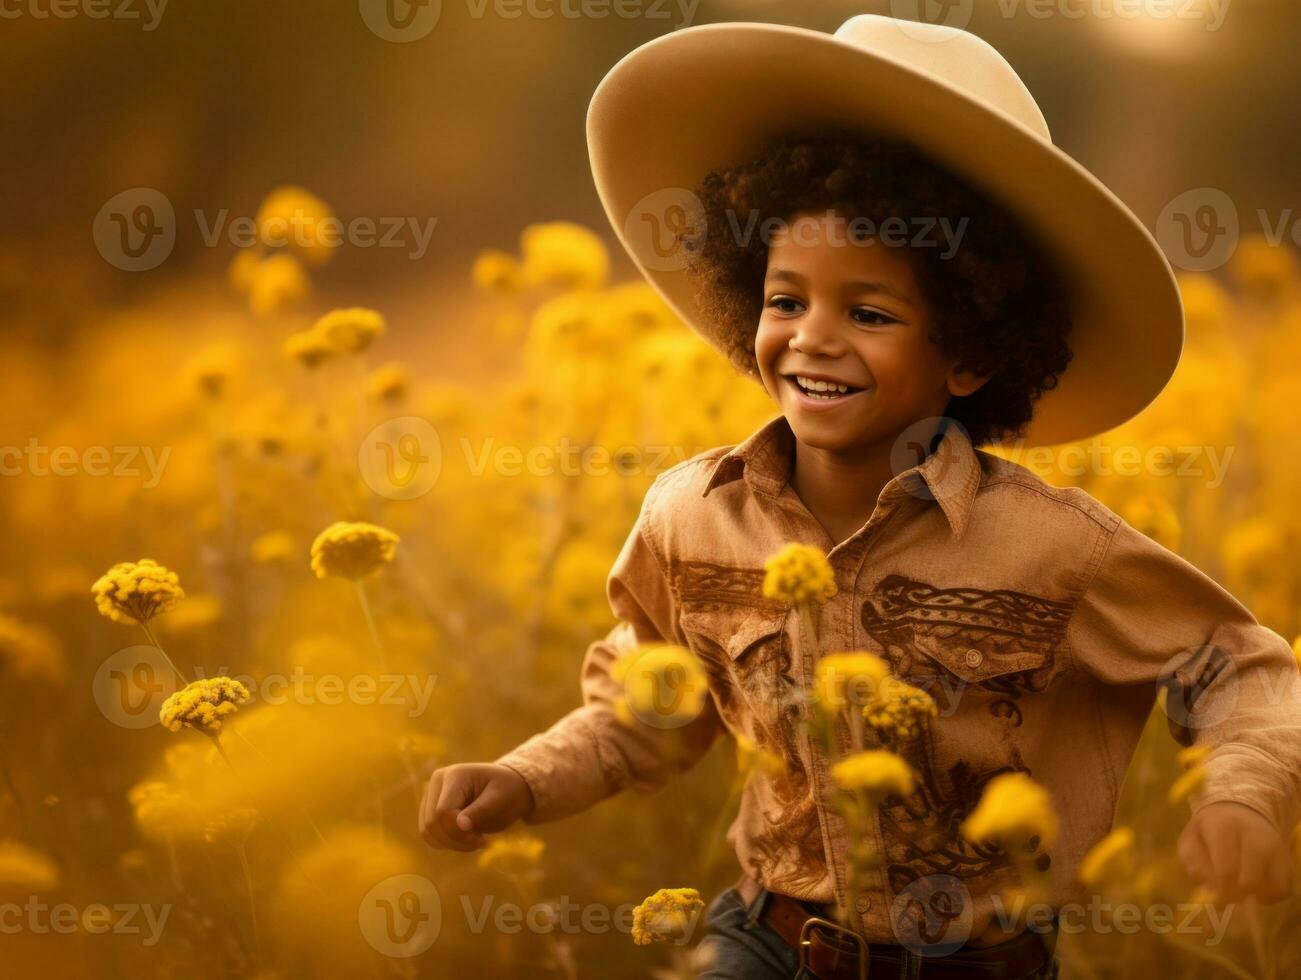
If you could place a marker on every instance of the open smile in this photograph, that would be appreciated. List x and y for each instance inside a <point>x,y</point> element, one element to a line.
<point>819,393</point>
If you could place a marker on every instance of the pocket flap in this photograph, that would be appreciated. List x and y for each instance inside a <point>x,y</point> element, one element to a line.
<point>979,658</point>
<point>731,627</point>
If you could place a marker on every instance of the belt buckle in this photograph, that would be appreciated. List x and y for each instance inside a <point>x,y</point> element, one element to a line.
<point>817,922</point>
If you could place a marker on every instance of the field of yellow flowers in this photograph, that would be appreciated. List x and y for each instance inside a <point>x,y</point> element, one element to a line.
<point>262,576</point>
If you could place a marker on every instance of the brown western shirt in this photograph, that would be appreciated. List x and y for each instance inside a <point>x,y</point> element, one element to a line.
<point>1041,623</point>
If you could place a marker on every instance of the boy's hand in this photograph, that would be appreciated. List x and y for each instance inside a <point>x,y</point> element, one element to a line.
<point>465,801</point>
<point>1236,853</point>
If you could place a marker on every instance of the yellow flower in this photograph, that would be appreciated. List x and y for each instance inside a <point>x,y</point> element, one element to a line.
<point>1188,783</point>
<point>1116,847</point>
<point>310,348</point>
<point>799,574</point>
<point>161,812</point>
<point>30,650</point>
<point>352,549</point>
<point>899,709</point>
<point>1013,812</point>
<point>212,369</point>
<point>876,772</point>
<point>750,756</point>
<point>242,269</point>
<point>1193,755</point>
<point>202,704</point>
<point>136,591</point>
<point>277,285</point>
<point>233,826</point>
<point>666,916</point>
<point>497,271</point>
<point>512,854</point>
<point>564,254</point>
<point>836,672</point>
<point>273,547</point>
<point>352,329</point>
<point>26,868</point>
<point>388,382</point>
<point>298,220</point>
<point>663,685</point>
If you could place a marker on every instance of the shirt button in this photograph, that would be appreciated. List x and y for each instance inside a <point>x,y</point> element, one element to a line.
<point>974,657</point>
<point>862,903</point>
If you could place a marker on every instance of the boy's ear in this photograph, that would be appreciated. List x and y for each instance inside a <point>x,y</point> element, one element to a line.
<point>962,382</point>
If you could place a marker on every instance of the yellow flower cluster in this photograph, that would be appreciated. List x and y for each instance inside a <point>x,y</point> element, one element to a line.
<point>232,826</point>
<point>513,855</point>
<point>844,677</point>
<point>202,704</point>
<point>663,685</point>
<point>564,254</point>
<point>388,382</point>
<point>352,549</point>
<point>1014,812</point>
<point>1115,851</point>
<point>799,574</point>
<point>350,330</point>
<point>273,547</point>
<point>666,916</point>
<point>899,710</point>
<point>876,772</point>
<point>299,218</point>
<point>497,271</point>
<point>136,591</point>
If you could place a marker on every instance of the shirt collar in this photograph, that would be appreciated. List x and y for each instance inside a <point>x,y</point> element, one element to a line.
<point>950,475</point>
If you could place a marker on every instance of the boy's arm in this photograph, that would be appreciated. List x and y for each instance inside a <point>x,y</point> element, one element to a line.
<point>1148,616</point>
<point>590,754</point>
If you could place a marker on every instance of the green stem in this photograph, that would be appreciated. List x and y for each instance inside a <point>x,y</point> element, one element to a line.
<point>158,646</point>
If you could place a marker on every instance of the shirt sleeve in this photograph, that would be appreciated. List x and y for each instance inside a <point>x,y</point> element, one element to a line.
<point>1231,684</point>
<point>590,753</point>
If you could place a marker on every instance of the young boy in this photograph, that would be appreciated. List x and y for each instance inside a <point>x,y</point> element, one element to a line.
<point>927,273</point>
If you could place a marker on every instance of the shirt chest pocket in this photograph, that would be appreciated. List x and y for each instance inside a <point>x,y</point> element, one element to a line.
<point>747,653</point>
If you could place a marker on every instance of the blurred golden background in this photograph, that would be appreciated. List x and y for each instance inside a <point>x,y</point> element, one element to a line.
<point>198,414</point>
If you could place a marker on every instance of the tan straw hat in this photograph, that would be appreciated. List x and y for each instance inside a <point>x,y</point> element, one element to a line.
<point>710,97</point>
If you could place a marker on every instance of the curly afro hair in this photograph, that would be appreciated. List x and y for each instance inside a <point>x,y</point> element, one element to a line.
<point>997,306</point>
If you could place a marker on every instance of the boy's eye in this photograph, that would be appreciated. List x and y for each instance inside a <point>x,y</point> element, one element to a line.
<point>786,304</point>
<point>863,314</point>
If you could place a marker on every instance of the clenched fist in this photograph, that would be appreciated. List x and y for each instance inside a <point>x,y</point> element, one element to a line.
<point>465,801</point>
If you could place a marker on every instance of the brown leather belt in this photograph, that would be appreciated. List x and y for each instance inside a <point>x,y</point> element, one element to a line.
<point>832,953</point>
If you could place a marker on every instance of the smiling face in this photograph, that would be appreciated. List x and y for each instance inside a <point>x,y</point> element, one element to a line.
<point>843,340</point>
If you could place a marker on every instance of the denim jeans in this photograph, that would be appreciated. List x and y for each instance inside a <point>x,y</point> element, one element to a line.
<point>743,947</point>
<point>746,948</point>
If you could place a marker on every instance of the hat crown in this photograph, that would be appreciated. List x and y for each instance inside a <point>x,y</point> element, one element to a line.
<point>956,57</point>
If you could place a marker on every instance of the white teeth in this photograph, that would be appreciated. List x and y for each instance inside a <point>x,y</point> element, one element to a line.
<point>813,385</point>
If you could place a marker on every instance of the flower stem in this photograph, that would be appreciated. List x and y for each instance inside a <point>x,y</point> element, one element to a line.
<point>370,624</point>
<point>252,905</point>
<point>144,624</point>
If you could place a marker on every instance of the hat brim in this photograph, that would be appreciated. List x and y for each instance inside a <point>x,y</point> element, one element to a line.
<point>709,97</point>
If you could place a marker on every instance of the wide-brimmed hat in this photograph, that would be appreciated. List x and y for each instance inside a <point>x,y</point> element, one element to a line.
<point>711,97</point>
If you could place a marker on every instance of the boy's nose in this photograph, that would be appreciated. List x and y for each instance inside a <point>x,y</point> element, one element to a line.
<point>816,334</point>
